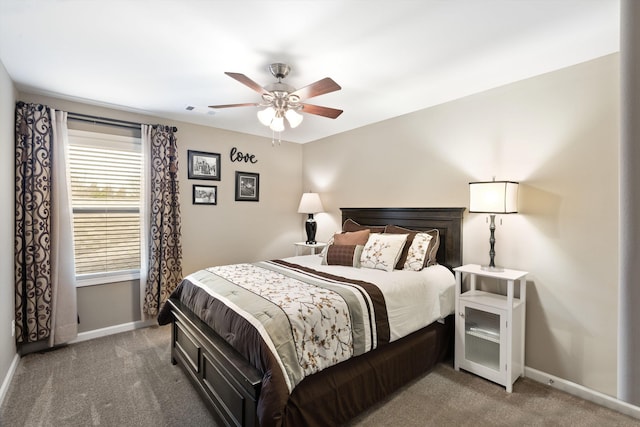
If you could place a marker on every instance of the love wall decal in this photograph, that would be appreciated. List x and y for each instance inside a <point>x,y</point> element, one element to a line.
<point>239,156</point>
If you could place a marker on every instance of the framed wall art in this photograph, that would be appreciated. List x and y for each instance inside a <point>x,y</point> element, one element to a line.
<point>247,186</point>
<point>204,165</point>
<point>205,194</point>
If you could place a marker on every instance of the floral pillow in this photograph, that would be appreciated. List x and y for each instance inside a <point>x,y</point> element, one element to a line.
<point>418,251</point>
<point>382,251</point>
<point>434,243</point>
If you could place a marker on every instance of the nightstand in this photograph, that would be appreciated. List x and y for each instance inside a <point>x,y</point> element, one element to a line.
<point>490,327</point>
<point>312,246</point>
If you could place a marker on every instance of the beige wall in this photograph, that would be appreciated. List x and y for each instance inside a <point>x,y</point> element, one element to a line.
<point>111,304</point>
<point>7,220</point>
<point>241,231</point>
<point>558,135</point>
<point>229,232</point>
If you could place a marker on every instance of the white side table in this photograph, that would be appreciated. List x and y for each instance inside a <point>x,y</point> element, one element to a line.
<point>312,246</point>
<point>490,327</point>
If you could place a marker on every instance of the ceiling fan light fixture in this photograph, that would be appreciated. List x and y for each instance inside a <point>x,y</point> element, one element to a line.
<point>266,116</point>
<point>293,117</point>
<point>282,101</point>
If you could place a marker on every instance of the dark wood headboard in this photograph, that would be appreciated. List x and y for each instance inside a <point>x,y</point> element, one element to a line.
<point>447,220</point>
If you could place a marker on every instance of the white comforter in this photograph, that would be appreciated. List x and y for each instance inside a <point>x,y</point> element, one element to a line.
<point>414,298</point>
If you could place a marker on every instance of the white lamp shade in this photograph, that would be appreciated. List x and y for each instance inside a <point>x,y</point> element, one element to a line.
<point>266,116</point>
<point>294,118</point>
<point>310,204</point>
<point>277,124</point>
<point>494,197</point>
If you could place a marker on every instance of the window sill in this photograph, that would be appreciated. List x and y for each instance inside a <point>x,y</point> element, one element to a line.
<point>106,279</point>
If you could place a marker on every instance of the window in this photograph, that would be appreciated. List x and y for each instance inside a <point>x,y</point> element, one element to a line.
<point>105,176</point>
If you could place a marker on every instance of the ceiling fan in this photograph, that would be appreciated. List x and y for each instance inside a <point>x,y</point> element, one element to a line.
<point>284,101</point>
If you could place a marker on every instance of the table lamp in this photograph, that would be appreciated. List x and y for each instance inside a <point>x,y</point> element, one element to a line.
<point>310,204</point>
<point>493,197</point>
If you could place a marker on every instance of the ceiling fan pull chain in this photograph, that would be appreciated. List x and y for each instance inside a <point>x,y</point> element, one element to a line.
<point>273,138</point>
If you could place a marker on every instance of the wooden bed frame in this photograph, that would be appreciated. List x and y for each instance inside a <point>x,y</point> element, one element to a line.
<point>230,386</point>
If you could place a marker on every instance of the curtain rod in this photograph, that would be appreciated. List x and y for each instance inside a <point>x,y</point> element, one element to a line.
<point>106,121</point>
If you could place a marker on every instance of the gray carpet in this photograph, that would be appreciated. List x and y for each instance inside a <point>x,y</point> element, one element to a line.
<point>120,380</point>
<point>128,380</point>
<point>449,398</point>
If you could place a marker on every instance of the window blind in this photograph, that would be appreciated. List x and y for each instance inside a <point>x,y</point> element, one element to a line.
<point>105,174</point>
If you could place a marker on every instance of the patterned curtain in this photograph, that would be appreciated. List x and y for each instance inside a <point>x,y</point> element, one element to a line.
<point>164,261</point>
<point>45,287</point>
<point>33,223</point>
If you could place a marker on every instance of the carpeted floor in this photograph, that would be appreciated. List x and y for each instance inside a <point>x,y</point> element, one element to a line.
<point>128,380</point>
<point>120,380</point>
<point>449,398</point>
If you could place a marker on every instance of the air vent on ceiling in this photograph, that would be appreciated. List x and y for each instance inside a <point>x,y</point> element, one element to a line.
<point>200,110</point>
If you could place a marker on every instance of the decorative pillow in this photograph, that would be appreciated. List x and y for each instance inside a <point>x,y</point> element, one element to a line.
<point>432,250</point>
<point>352,237</point>
<point>348,255</point>
<point>393,229</point>
<point>351,225</point>
<point>417,255</point>
<point>324,250</point>
<point>434,244</point>
<point>382,251</point>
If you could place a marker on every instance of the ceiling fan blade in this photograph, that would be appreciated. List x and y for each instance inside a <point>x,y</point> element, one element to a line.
<point>247,82</point>
<point>320,87</point>
<point>331,113</point>
<point>248,104</point>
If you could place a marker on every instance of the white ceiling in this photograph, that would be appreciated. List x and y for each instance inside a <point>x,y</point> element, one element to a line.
<point>391,57</point>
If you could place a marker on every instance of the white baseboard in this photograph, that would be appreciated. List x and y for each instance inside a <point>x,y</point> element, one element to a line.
<point>583,392</point>
<point>110,330</point>
<point>7,379</point>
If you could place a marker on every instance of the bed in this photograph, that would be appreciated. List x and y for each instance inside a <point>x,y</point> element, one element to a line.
<point>239,378</point>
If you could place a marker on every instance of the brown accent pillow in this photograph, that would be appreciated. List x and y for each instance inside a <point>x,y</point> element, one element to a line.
<point>347,255</point>
<point>351,225</point>
<point>352,237</point>
<point>432,250</point>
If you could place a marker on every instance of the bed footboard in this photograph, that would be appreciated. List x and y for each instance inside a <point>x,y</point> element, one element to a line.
<point>228,383</point>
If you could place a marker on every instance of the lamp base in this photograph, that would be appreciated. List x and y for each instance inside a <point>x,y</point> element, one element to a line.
<point>311,226</point>
<point>492,269</point>
<point>492,253</point>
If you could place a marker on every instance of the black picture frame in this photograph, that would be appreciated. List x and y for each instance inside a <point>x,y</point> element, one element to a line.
<point>205,194</point>
<point>247,187</point>
<point>203,165</point>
